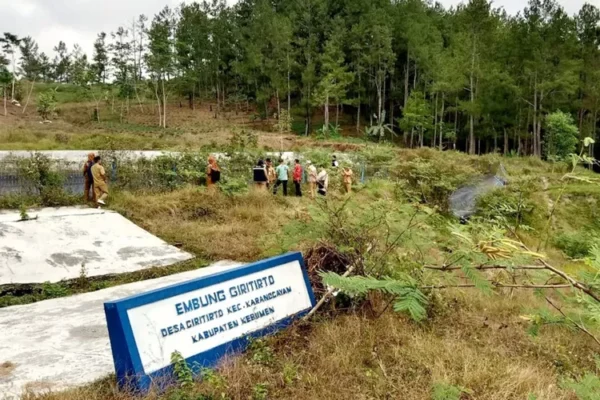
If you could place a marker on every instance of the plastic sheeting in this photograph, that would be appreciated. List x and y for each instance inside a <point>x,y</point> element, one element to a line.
<point>463,202</point>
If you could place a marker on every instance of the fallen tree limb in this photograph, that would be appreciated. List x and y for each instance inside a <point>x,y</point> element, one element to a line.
<point>499,285</point>
<point>577,325</point>
<point>483,267</point>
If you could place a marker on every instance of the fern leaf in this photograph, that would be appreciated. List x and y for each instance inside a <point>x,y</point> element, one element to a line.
<point>413,303</point>
<point>474,276</point>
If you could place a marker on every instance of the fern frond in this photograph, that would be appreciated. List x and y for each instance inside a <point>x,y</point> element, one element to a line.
<point>408,297</point>
<point>413,303</point>
<point>479,281</point>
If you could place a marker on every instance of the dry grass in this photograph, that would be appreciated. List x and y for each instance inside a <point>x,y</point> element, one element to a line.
<point>476,342</point>
<point>214,226</point>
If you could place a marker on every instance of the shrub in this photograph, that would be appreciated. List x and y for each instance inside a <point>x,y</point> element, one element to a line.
<point>561,135</point>
<point>576,245</point>
<point>46,104</point>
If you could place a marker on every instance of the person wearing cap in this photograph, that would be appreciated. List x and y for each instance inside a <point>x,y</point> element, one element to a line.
<point>312,179</point>
<point>88,185</point>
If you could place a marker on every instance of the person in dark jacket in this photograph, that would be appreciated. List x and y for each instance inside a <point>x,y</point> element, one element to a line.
<point>88,185</point>
<point>260,175</point>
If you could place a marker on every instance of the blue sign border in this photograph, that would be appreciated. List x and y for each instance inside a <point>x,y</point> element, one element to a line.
<point>128,365</point>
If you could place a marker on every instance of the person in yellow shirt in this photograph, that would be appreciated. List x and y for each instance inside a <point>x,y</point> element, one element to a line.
<point>100,182</point>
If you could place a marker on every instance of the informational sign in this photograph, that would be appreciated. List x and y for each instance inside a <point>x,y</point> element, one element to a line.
<point>204,319</point>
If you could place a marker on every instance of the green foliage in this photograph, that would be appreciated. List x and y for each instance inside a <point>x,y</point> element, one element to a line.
<point>260,391</point>
<point>42,174</point>
<point>561,137</point>
<point>260,352</point>
<point>46,104</point>
<point>408,298</point>
<point>181,371</point>
<point>585,388</point>
<point>416,114</point>
<point>576,245</point>
<point>23,213</point>
<point>380,129</point>
<point>445,391</point>
<point>242,140</point>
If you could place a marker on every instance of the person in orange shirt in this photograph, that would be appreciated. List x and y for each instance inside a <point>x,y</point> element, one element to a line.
<point>213,172</point>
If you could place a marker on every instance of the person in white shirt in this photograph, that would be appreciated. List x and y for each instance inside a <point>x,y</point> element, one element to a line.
<point>323,182</point>
<point>312,179</point>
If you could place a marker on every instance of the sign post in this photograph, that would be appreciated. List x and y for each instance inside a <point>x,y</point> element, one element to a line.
<point>204,319</point>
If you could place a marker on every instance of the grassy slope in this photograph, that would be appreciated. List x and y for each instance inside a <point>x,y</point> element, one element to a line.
<point>469,340</point>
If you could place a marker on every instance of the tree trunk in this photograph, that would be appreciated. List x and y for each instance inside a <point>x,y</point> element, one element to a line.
<point>358,107</point>
<point>164,93</point>
<point>28,97</point>
<point>538,134</point>
<point>289,91</point>
<point>455,123</point>
<point>158,104</point>
<point>535,118</point>
<point>337,115</point>
<point>13,76</point>
<point>4,91</point>
<point>435,124</point>
<point>442,121</point>
<point>472,149</point>
<point>406,78</point>
<point>326,114</point>
<point>278,107</point>
<point>505,142</point>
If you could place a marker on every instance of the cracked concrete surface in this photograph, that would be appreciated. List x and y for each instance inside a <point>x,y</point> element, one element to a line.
<point>54,246</point>
<point>61,343</point>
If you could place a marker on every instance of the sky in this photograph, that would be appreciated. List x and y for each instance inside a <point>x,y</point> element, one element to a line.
<point>79,21</point>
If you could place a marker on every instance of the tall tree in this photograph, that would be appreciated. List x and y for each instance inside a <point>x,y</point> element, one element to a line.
<point>100,58</point>
<point>160,58</point>
<point>62,62</point>
<point>30,59</point>
<point>10,43</point>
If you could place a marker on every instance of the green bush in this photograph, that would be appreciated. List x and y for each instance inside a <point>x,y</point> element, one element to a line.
<point>576,245</point>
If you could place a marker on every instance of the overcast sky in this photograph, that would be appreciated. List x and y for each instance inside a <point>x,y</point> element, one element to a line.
<point>79,21</point>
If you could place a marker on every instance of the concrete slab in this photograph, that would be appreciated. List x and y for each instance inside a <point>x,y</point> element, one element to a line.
<point>57,344</point>
<point>54,246</point>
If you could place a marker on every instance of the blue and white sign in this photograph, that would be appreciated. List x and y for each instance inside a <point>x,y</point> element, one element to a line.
<point>204,319</point>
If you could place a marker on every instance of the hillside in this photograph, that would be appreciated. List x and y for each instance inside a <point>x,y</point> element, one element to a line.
<point>506,338</point>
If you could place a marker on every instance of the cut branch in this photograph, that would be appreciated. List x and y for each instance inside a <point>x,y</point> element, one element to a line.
<point>482,267</point>
<point>577,325</point>
<point>499,285</point>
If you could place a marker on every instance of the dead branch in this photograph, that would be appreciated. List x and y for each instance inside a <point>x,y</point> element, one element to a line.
<point>577,325</point>
<point>499,285</point>
<point>446,268</point>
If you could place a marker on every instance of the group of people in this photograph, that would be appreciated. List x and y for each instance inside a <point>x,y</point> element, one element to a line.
<point>95,187</point>
<point>266,176</point>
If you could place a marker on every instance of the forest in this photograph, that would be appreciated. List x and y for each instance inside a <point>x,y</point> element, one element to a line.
<point>471,78</point>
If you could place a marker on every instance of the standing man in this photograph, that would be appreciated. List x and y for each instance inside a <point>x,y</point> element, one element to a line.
<point>312,179</point>
<point>347,174</point>
<point>88,186</point>
<point>100,182</point>
<point>282,177</point>
<point>298,171</point>
<point>271,174</point>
